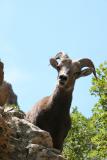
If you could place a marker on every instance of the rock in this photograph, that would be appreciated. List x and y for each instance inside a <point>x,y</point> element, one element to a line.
<point>21,140</point>
<point>7,95</point>
<point>1,110</point>
<point>12,97</point>
<point>38,152</point>
<point>1,73</point>
<point>13,110</point>
<point>4,93</point>
<point>5,133</point>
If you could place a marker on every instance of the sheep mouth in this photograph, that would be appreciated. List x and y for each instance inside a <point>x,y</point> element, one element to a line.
<point>62,83</point>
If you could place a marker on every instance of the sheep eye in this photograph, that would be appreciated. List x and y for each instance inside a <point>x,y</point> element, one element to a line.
<point>58,68</point>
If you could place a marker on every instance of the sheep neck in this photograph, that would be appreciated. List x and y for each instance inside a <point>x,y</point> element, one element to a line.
<point>61,99</point>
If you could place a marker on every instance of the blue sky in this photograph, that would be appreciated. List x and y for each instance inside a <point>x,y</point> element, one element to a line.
<point>32,31</point>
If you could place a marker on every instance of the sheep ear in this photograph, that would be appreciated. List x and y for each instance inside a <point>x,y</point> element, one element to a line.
<point>54,63</point>
<point>85,72</point>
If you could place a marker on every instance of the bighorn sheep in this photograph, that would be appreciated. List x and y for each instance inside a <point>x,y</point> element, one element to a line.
<point>7,95</point>
<point>52,113</point>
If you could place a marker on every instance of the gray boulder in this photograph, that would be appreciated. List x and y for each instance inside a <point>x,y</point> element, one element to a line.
<point>24,141</point>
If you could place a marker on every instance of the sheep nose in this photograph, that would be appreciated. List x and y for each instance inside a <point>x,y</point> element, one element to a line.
<point>63,77</point>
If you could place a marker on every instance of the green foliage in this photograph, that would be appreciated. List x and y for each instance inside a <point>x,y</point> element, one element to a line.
<point>77,143</point>
<point>16,107</point>
<point>99,86</point>
<point>87,139</point>
<point>99,118</point>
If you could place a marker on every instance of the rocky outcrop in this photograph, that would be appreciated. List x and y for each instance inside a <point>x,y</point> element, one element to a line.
<point>4,93</point>
<point>12,97</point>
<point>1,73</point>
<point>7,95</point>
<point>5,133</point>
<point>21,140</point>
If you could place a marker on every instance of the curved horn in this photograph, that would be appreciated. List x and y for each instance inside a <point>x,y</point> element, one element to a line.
<point>53,62</point>
<point>85,62</point>
<point>61,55</point>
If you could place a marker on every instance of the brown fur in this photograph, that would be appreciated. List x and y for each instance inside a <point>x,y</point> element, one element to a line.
<point>52,114</point>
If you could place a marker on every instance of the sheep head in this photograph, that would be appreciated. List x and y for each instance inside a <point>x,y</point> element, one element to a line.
<point>69,70</point>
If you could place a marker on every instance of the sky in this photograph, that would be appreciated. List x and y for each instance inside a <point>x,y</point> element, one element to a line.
<point>32,31</point>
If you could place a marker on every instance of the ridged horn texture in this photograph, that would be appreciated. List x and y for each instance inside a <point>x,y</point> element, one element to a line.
<point>61,55</point>
<point>85,62</point>
<point>54,63</point>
